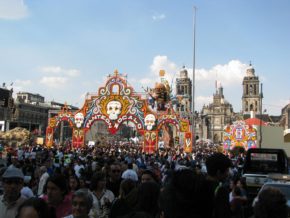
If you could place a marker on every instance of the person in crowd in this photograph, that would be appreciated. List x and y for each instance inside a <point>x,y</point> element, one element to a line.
<point>56,195</point>
<point>271,204</point>
<point>26,190</point>
<point>149,176</point>
<point>238,194</point>
<point>42,181</point>
<point>215,198</point>
<point>102,197</point>
<point>180,197</point>
<point>12,181</point>
<point>130,173</point>
<point>237,202</point>
<point>78,167</point>
<point>34,208</point>
<point>114,179</point>
<point>147,198</point>
<point>82,202</point>
<point>73,184</point>
<point>127,199</point>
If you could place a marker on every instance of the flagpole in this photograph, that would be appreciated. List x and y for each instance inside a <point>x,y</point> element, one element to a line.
<point>193,81</point>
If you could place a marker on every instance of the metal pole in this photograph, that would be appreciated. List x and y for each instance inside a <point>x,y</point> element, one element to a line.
<point>193,81</point>
<point>261,116</point>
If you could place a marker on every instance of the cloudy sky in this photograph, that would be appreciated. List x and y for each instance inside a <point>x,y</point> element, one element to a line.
<point>64,49</point>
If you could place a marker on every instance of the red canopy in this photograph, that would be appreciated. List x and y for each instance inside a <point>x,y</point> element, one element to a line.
<point>255,121</point>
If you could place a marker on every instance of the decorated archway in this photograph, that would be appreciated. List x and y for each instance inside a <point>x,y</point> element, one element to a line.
<point>64,115</point>
<point>117,102</point>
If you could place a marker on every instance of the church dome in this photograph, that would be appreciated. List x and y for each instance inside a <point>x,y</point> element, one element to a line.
<point>183,73</point>
<point>250,71</point>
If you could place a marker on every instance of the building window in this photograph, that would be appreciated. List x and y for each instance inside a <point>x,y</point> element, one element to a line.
<point>251,107</point>
<point>182,90</point>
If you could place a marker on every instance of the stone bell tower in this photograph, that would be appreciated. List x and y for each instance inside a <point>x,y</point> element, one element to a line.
<point>184,91</point>
<point>251,99</point>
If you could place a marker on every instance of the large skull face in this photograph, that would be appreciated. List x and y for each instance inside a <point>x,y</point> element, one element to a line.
<point>149,121</point>
<point>114,109</point>
<point>79,119</point>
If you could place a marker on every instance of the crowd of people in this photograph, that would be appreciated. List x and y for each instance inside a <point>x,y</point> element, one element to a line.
<point>119,180</point>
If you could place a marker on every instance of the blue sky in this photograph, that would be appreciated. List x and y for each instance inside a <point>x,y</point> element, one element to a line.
<point>64,49</point>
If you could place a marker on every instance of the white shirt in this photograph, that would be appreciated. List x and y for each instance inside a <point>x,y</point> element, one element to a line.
<point>98,210</point>
<point>130,174</point>
<point>77,169</point>
<point>42,182</point>
<point>27,192</point>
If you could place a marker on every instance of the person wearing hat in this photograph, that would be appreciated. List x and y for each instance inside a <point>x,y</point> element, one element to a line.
<point>11,199</point>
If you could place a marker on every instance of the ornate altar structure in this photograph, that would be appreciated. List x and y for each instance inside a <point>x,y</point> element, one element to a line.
<point>239,135</point>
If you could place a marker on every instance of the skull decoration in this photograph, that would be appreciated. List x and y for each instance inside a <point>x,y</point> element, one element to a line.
<point>114,109</point>
<point>150,121</point>
<point>79,119</point>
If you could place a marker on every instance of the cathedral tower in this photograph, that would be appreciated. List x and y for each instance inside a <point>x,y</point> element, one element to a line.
<point>184,91</point>
<point>251,99</point>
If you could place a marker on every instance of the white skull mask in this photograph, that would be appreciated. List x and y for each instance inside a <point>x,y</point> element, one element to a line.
<point>79,119</point>
<point>149,121</point>
<point>114,109</point>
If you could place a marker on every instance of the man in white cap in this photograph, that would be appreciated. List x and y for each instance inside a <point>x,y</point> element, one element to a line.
<point>11,199</point>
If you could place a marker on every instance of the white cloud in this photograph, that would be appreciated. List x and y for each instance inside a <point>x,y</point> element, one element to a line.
<point>163,63</point>
<point>13,9</point>
<point>51,69</point>
<point>54,82</point>
<point>60,71</point>
<point>229,74</point>
<point>157,17</point>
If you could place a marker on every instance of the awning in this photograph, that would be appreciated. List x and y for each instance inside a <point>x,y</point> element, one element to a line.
<point>255,121</point>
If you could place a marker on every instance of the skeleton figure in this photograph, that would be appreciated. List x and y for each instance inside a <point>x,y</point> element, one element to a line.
<point>114,109</point>
<point>150,121</point>
<point>79,119</point>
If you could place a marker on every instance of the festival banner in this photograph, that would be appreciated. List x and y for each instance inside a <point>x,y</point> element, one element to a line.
<point>188,142</point>
<point>78,138</point>
<point>150,141</point>
<point>49,137</point>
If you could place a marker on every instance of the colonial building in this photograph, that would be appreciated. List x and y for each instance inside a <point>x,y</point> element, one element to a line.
<point>183,92</point>
<point>30,111</point>
<point>252,97</point>
<point>215,116</point>
<point>6,107</point>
